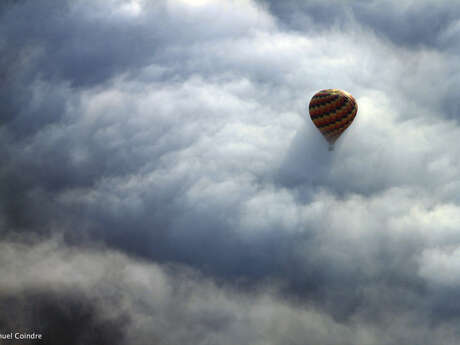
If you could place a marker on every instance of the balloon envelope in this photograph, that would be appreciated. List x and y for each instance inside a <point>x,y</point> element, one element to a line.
<point>332,111</point>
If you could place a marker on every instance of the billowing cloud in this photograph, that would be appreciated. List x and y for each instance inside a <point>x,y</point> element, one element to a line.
<point>167,146</point>
<point>92,296</point>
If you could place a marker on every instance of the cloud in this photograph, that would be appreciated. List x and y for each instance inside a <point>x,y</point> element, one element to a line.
<point>167,145</point>
<point>100,292</point>
<point>407,23</point>
<point>106,297</point>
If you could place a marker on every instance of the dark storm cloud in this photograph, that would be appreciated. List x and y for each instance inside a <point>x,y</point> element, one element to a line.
<point>407,23</point>
<point>68,41</point>
<point>67,318</point>
<point>132,127</point>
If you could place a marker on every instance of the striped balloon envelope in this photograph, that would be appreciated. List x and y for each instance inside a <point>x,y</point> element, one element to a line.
<point>332,111</point>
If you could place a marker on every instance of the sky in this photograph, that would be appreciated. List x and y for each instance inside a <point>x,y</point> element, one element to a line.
<point>162,182</point>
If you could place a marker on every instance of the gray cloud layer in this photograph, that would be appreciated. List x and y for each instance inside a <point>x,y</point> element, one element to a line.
<point>166,144</point>
<point>104,297</point>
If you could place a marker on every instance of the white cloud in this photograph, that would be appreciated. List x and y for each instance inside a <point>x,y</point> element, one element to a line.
<point>441,265</point>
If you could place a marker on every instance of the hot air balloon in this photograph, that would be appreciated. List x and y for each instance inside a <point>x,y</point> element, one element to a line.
<point>332,111</point>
